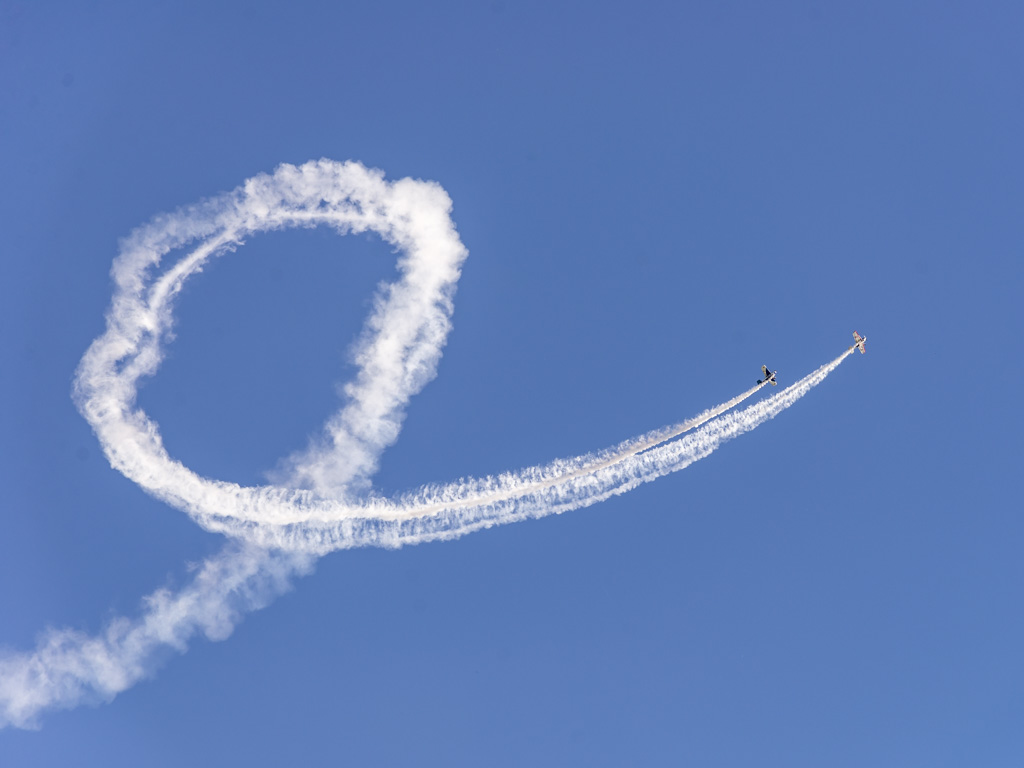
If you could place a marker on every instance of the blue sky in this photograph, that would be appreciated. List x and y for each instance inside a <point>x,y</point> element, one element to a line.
<point>656,200</point>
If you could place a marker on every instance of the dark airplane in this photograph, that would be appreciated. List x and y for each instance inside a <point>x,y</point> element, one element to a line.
<point>769,376</point>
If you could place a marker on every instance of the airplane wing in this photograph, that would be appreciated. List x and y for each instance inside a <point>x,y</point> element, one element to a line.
<point>764,368</point>
<point>773,381</point>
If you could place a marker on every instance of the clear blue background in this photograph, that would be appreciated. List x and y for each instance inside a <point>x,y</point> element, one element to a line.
<point>657,199</point>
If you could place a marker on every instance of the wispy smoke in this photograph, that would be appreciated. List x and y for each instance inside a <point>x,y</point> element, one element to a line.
<point>69,668</point>
<point>324,501</point>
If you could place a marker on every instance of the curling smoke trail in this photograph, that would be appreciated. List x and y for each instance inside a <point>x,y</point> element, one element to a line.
<point>325,503</point>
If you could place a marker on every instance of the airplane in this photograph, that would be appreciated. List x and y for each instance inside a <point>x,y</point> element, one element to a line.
<point>858,342</point>
<point>769,376</point>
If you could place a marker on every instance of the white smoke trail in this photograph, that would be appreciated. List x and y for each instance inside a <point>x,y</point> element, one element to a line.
<point>325,504</point>
<point>69,668</point>
<point>449,511</point>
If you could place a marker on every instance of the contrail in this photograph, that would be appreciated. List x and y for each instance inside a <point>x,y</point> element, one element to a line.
<point>325,501</point>
<point>69,668</point>
<point>449,511</point>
